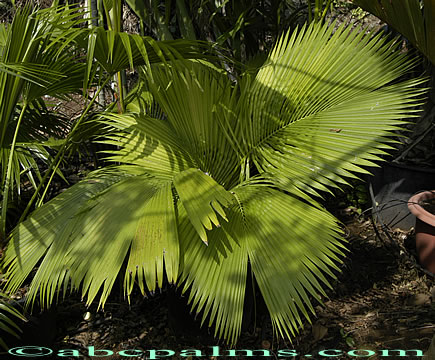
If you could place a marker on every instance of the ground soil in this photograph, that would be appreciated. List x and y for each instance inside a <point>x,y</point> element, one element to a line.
<point>381,300</point>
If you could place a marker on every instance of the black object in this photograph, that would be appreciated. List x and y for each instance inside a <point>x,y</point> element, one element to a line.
<point>392,185</point>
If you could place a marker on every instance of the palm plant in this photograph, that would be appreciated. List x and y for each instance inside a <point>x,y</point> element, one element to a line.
<point>32,67</point>
<point>209,176</point>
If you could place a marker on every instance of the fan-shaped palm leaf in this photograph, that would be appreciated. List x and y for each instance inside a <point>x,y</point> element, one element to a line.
<point>278,247</point>
<point>311,114</point>
<point>232,165</point>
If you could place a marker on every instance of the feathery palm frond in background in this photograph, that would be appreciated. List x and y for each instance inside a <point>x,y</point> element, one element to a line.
<point>32,67</point>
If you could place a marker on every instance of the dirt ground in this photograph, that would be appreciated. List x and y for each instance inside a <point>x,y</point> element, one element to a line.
<point>382,300</point>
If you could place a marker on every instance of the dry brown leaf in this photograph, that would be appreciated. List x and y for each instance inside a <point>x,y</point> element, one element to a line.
<point>319,332</point>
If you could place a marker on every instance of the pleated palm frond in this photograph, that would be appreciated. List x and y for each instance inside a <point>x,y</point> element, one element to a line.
<point>322,118</point>
<point>232,165</point>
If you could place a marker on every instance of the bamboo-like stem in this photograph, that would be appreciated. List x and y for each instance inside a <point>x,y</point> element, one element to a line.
<point>163,29</point>
<point>325,10</point>
<point>310,13</point>
<point>120,92</point>
<point>186,27</point>
<point>8,177</point>
<point>317,9</point>
<point>117,26</point>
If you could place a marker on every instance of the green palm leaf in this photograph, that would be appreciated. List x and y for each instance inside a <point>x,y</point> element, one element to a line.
<point>303,247</point>
<point>322,107</point>
<point>155,242</point>
<point>146,142</point>
<point>202,198</point>
<point>70,251</point>
<point>32,65</point>
<point>198,87</point>
<point>215,274</point>
<point>278,249</point>
<point>115,51</point>
<point>325,103</point>
<point>44,224</point>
